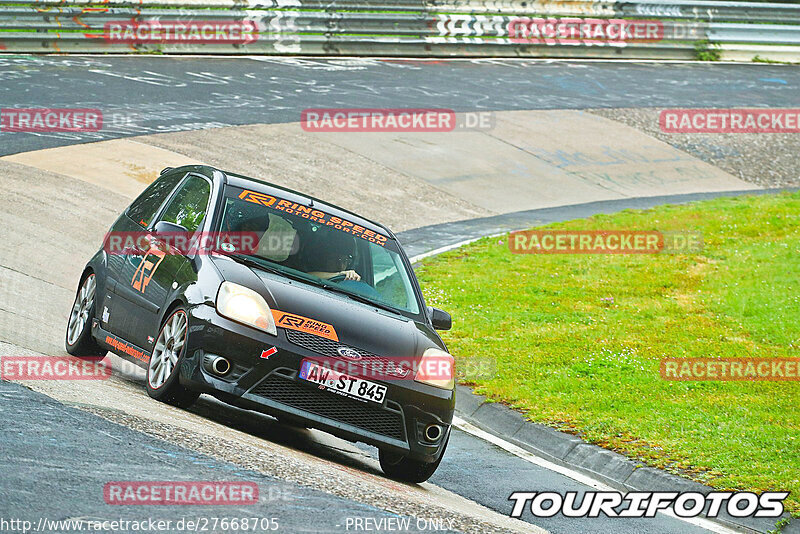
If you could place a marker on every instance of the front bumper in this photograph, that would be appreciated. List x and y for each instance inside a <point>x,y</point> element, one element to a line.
<point>271,386</point>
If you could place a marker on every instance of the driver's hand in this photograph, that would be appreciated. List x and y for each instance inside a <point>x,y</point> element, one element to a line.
<point>350,275</point>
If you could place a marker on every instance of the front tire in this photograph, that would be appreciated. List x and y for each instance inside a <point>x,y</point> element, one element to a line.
<point>78,340</point>
<point>405,469</point>
<point>162,382</point>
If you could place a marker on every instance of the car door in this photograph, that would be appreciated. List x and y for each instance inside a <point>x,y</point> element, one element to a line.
<point>137,218</point>
<point>149,277</point>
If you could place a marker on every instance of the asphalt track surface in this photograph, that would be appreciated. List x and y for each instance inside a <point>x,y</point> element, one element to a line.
<point>56,459</point>
<point>151,95</point>
<point>64,474</point>
<point>141,95</point>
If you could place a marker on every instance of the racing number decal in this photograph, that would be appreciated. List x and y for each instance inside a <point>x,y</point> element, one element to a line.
<point>146,269</point>
<point>304,324</point>
<point>257,198</point>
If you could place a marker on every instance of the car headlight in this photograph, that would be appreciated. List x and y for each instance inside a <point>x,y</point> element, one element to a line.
<point>437,368</point>
<point>245,306</point>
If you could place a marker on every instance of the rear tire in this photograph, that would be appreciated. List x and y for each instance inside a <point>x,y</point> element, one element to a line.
<point>405,469</point>
<point>78,340</point>
<point>162,382</point>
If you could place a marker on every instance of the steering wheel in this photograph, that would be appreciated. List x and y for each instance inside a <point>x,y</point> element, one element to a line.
<point>337,278</point>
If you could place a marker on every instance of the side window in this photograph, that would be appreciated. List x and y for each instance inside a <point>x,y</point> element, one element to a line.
<point>144,208</point>
<point>388,280</point>
<point>188,206</point>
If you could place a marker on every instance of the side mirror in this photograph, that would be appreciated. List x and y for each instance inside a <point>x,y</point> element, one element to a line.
<point>165,227</point>
<point>440,319</point>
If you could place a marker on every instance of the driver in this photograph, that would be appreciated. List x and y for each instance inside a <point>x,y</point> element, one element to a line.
<point>335,257</point>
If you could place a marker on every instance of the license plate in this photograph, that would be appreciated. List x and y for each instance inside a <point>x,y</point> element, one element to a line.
<point>341,383</point>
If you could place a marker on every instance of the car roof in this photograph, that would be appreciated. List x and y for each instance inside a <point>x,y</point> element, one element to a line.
<point>238,180</point>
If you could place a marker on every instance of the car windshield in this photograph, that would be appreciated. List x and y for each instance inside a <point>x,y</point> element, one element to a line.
<point>304,240</point>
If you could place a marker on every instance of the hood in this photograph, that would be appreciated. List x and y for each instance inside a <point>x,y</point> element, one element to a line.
<point>356,324</point>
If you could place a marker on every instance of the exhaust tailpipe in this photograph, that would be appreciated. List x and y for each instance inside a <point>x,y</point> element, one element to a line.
<point>216,365</point>
<point>433,432</point>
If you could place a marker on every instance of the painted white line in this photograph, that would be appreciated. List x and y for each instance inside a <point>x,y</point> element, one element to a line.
<point>446,248</point>
<point>528,456</point>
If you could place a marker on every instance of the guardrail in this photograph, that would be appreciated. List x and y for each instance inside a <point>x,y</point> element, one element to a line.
<point>648,29</point>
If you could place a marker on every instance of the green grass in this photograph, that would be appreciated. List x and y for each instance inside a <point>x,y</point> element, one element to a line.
<point>576,340</point>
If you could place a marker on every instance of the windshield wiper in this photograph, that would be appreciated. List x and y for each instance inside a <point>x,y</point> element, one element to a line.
<point>359,298</point>
<point>253,263</point>
<point>269,268</point>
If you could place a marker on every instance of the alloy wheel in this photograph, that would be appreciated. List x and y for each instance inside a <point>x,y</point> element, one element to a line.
<point>167,350</point>
<point>80,310</point>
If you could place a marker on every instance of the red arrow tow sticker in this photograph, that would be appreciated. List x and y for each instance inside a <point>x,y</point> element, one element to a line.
<point>269,352</point>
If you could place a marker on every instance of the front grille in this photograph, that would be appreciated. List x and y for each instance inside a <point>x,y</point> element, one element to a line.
<point>332,406</point>
<point>328,347</point>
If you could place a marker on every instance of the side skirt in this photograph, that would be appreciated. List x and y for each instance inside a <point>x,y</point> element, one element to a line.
<point>119,346</point>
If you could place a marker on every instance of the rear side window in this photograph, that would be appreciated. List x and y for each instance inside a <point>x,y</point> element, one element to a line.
<point>144,208</point>
<point>188,206</point>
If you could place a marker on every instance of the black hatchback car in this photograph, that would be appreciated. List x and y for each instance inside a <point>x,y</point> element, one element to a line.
<point>274,301</point>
